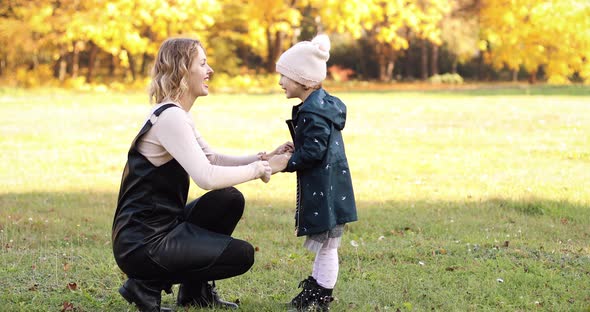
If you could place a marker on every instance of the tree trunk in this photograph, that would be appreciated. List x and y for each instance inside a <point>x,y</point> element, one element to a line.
<point>381,61</point>
<point>91,62</point>
<point>144,61</point>
<point>279,37</point>
<point>131,59</point>
<point>273,49</point>
<point>454,66</point>
<point>409,68</point>
<point>423,60</point>
<point>514,75</point>
<point>35,61</point>
<point>391,65</point>
<point>480,68</point>
<point>112,66</point>
<point>63,68</point>
<point>361,71</point>
<point>35,57</point>
<point>76,61</point>
<point>60,69</point>
<point>389,71</point>
<point>2,64</point>
<point>533,77</point>
<point>434,60</point>
<point>269,49</point>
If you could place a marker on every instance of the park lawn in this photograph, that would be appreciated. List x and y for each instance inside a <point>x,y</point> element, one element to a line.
<point>467,200</point>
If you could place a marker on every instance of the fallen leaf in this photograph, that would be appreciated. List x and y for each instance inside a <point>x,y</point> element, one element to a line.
<point>506,243</point>
<point>66,266</point>
<point>67,306</point>
<point>256,248</point>
<point>34,287</point>
<point>72,286</point>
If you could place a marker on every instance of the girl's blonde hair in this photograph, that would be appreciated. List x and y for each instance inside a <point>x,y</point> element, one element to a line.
<point>171,69</point>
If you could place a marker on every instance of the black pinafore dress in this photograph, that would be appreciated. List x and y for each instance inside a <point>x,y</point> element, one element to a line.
<point>150,238</point>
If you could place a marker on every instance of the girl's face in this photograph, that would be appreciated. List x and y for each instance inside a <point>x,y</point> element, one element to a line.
<point>199,75</point>
<point>292,88</point>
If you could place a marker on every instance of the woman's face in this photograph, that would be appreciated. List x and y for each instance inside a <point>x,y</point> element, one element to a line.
<point>292,88</point>
<point>199,75</point>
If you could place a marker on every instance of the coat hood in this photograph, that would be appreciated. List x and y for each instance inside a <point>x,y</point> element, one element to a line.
<point>321,103</point>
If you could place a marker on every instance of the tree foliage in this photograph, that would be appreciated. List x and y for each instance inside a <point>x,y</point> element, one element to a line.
<point>119,38</point>
<point>552,34</point>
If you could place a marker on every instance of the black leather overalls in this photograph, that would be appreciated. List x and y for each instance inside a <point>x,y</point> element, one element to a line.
<point>150,238</point>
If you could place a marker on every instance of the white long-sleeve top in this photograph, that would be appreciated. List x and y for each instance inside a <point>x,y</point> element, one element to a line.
<point>174,135</point>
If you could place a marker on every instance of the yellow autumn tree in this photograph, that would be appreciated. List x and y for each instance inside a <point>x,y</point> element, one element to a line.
<point>387,24</point>
<point>552,34</point>
<point>270,27</point>
<point>460,31</point>
<point>126,29</point>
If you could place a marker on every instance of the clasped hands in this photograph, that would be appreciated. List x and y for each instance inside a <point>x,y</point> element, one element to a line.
<point>276,161</point>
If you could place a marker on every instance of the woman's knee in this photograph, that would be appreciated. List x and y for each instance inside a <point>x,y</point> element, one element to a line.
<point>236,196</point>
<point>244,253</point>
<point>233,199</point>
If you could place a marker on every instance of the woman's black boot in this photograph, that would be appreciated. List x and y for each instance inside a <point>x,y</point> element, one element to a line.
<point>313,296</point>
<point>202,294</point>
<point>147,295</point>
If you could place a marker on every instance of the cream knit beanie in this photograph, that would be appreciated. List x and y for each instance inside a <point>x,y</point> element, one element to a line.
<point>305,62</point>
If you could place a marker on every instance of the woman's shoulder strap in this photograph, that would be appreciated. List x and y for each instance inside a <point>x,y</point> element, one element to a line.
<point>163,108</point>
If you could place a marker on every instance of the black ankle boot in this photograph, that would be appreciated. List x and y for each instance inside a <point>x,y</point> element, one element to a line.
<point>202,294</point>
<point>313,296</point>
<point>147,295</point>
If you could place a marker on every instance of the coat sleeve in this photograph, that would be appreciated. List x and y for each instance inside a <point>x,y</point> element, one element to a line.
<point>315,133</point>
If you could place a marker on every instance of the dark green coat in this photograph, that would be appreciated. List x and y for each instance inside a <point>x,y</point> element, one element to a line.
<point>325,196</point>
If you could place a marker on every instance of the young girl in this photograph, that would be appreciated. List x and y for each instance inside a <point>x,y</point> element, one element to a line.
<point>325,199</point>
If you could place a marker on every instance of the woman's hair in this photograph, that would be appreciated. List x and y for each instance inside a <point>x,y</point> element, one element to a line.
<point>171,69</point>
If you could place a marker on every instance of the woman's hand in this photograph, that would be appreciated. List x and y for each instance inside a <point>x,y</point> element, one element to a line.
<point>264,170</point>
<point>279,162</point>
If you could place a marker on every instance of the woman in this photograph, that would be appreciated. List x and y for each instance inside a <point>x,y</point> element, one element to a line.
<point>159,239</point>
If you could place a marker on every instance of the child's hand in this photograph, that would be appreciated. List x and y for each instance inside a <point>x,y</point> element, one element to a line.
<point>286,147</point>
<point>278,163</point>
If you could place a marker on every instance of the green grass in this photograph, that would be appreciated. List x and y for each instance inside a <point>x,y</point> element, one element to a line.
<point>468,201</point>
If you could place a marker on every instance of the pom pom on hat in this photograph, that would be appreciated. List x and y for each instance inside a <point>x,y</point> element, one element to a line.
<point>305,62</point>
<point>323,42</point>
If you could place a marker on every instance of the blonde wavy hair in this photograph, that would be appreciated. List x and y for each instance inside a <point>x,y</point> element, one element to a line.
<point>171,69</point>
